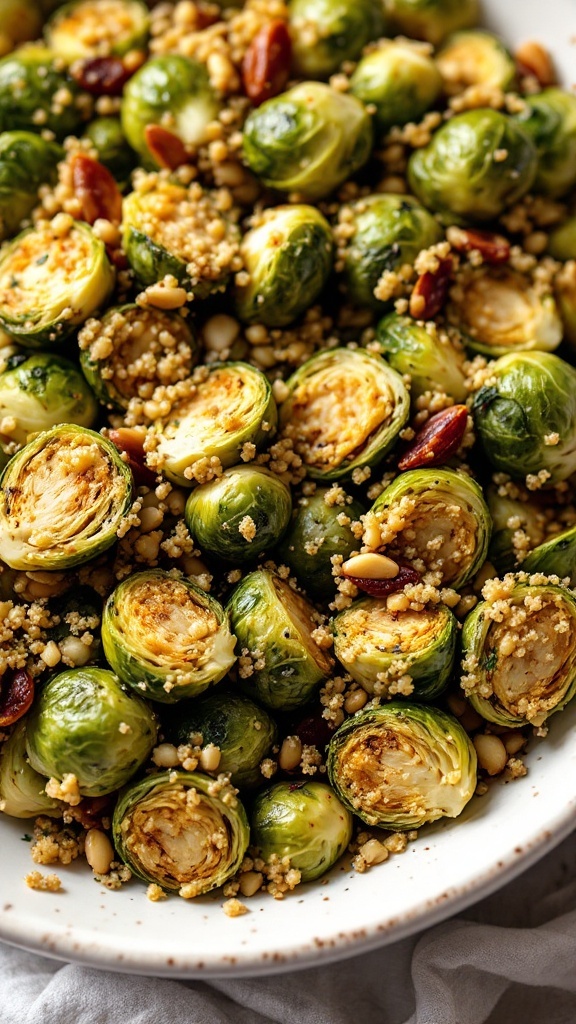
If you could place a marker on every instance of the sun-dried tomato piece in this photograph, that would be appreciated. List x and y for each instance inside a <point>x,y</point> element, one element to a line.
<point>96,190</point>
<point>431,291</point>
<point>266,65</point>
<point>381,588</point>
<point>16,696</point>
<point>131,441</point>
<point>439,439</point>
<point>165,147</point>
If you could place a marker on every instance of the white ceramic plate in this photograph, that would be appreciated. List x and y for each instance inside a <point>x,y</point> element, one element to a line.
<point>452,865</point>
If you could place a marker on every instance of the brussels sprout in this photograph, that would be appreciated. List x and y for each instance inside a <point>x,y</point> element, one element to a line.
<point>29,81</point>
<point>389,231</point>
<point>172,91</point>
<point>176,829</point>
<point>399,79</point>
<point>549,119</point>
<point>240,514</point>
<point>308,140</point>
<point>132,349</point>
<point>499,310</point>
<point>97,28</point>
<point>243,733</point>
<point>427,354</point>
<point>521,663</point>
<point>42,390</point>
<point>475,58</point>
<point>51,281</point>
<point>555,556</point>
<point>402,765</point>
<point>435,520</point>
<point>84,723</point>
<point>510,515</point>
<point>22,790</point>
<point>345,409</point>
<point>327,32</point>
<point>318,532</point>
<point>79,613</point>
<point>192,434</point>
<point>562,240</point>
<point>431,20</point>
<point>20,21</point>
<point>165,636</point>
<point>526,418</point>
<point>378,648</point>
<point>304,821</point>
<point>565,292</point>
<point>26,162</point>
<point>476,165</point>
<point>107,137</point>
<point>62,499</point>
<point>288,257</point>
<point>274,625</point>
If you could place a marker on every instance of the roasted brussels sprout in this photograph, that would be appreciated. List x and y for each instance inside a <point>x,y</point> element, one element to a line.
<point>26,162</point>
<point>520,659</point>
<point>107,137</point>
<point>20,21</point>
<point>476,165</point>
<point>400,766</point>
<point>62,498</point>
<point>549,118</point>
<point>304,821</point>
<point>555,556</point>
<point>97,28</point>
<point>562,240</point>
<point>84,723</point>
<point>22,790</point>
<point>427,354</point>
<point>241,513</point>
<point>475,58</point>
<point>516,521</point>
<point>345,409</point>
<point>176,829</point>
<point>327,32</point>
<point>432,20</point>
<point>308,140</point>
<point>274,625</point>
<point>30,79</point>
<point>526,418</point>
<point>399,79</point>
<point>565,292</point>
<point>40,391</point>
<point>288,257</point>
<point>389,231</point>
<point>165,636</point>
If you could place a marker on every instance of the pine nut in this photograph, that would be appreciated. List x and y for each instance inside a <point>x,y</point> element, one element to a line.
<point>165,755</point>
<point>290,753</point>
<point>163,297</point>
<point>492,756</point>
<point>355,701</point>
<point>371,566</point>
<point>250,882</point>
<point>220,332</point>
<point>99,851</point>
<point>75,650</point>
<point>210,757</point>
<point>150,519</point>
<point>374,852</point>
<point>457,704</point>
<point>513,741</point>
<point>51,654</point>
<point>397,603</point>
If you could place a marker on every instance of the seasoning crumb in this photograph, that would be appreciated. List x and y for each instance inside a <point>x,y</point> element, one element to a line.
<point>234,908</point>
<point>43,883</point>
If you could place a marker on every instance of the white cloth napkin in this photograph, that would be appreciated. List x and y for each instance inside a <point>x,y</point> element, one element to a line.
<point>510,959</point>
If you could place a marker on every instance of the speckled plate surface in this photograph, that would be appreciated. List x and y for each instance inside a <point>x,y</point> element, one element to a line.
<point>452,865</point>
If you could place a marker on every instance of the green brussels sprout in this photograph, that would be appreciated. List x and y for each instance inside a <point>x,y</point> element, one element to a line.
<point>379,648</point>
<point>427,354</point>
<point>172,91</point>
<point>431,20</point>
<point>549,119</point>
<point>476,165</point>
<point>132,349</point>
<point>399,79</point>
<point>499,310</point>
<point>165,636</point>
<point>327,32</point>
<point>526,418</point>
<point>274,624</point>
<point>243,733</point>
<point>308,140</point>
<point>562,240</point>
<point>51,281</point>
<point>192,435</point>
<point>107,137</point>
<point>435,520</point>
<point>475,58</point>
<point>288,256</point>
<point>332,430</point>
<point>389,231</point>
<point>400,765</point>
<point>21,21</point>
<point>521,663</point>
<point>22,790</point>
<point>509,516</point>
<point>85,723</point>
<point>26,162</point>
<point>565,292</point>
<point>304,821</point>
<point>29,81</point>
<point>555,556</point>
<point>97,28</point>
<point>240,514</point>
<point>62,499</point>
<point>42,390</point>
<point>79,613</point>
<point>318,532</point>
<point>177,830</point>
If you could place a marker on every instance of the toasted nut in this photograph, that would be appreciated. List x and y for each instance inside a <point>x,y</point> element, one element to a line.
<point>431,291</point>
<point>99,851</point>
<point>439,439</point>
<point>471,720</point>
<point>16,696</point>
<point>102,76</point>
<point>290,753</point>
<point>491,753</point>
<point>96,190</point>
<point>355,701</point>
<point>533,59</point>
<point>165,148</point>
<point>371,566</point>
<point>456,704</point>
<point>165,755</point>
<point>383,587</point>
<point>513,741</point>
<point>130,440</point>
<point>210,757</point>
<point>165,296</point>
<point>493,248</point>
<point>266,65</point>
<point>250,882</point>
<point>374,852</point>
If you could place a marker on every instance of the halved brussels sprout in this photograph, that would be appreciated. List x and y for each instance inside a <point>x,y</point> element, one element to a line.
<point>51,280</point>
<point>107,137</point>
<point>435,520</point>
<point>165,636</point>
<point>399,79</point>
<point>239,514</point>
<point>274,625</point>
<point>499,310</point>
<point>400,766</point>
<point>377,647</point>
<point>476,165</point>
<point>427,354</point>
<point>20,21</point>
<point>389,231</point>
<point>526,419</point>
<point>549,118</point>
<point>432,20</point>
<point>475,58</point>
<point>304,821</point>
<point>510,515</point>
<point>327,32</point>
<point>36,93</point>
<point>39,391</point>
<point>26,162</point>
<point>22,790</point>
<point>288,256</point>
<point>97,28</point>
<point>555,556</point>
<point>521,658</point>
<point>308,140</point>
<point>131,350</point>
<point>345,409</point>
<point>193,433</point>
<point>62,499</point>
<point>176,829</point>
<point>85,723</point>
